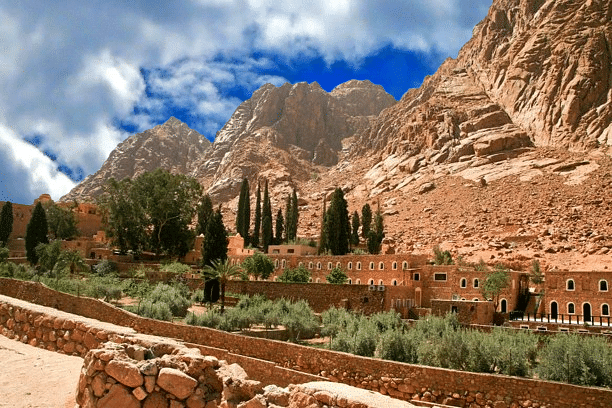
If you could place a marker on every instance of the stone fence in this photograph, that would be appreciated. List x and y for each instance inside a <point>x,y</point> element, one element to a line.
<point>399,380</point>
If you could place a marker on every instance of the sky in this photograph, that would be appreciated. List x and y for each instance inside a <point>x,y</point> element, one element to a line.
<point>78,77</point>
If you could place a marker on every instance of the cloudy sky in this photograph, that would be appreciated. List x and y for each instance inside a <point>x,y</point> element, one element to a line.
<point>78,77</point>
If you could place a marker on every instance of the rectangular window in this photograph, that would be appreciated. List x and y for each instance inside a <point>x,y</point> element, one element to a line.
<point>440,276</point>
<point>290,251</point>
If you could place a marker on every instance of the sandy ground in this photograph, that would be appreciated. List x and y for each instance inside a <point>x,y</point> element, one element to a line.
<point>34,378</point>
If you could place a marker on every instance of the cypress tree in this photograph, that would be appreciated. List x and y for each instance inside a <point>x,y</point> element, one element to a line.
<point>243,217</point>
<point>355,229</point>
<point>376,235</point>
<point>280,222</point>
<point>366,220</point>
<point>266,220</point>
<point>6,223</point>
<point>292,220</point>
<point>337,227</point>
<point>36,233</point>
<point>288,210</point>
<point>205,211</point>
<point>322,235</point>
<point>214,246</point>
<point>257,228</point>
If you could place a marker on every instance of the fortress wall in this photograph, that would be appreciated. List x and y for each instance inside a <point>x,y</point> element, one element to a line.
<point>402,381</point>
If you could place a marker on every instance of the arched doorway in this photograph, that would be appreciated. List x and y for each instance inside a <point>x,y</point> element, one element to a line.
<point>586,311</point>
<point>504,306</point>
<point>554,310</point>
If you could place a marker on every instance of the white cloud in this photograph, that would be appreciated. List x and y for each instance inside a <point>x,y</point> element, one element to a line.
<point>69,77</point>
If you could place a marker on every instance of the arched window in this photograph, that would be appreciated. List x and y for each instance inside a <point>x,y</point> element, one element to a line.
<point>476,283</point>
<point>318,265</point>
<point>284,263</point>
<point>329,265</point>
<point>358,282</point>
<point>394,282</point>
<point>380,282</point>
<point>503,306</point>
<point>404,265</point>
<point>318,280</point>
<point>381,265</point>
<point>338,265</point>
<point>358,266</point>
<point>605,310</point>
<point>571,309</point>
<point>475,300</point>
<point>371,282</point>
<point>350,281</point>
<point>570,285</point>
<point>349,266</point>
<point>276,263</point>
<point>463,283</point>
<point>603,285</point>
<point>310,264</point>
<point>394,266</point>
<point>371,266</point>
<point>310,280</point>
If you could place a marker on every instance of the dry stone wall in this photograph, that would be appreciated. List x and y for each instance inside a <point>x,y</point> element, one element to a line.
<point>402,381</point>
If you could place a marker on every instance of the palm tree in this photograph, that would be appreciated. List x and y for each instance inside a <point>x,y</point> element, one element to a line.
<point>222,271</point>
<point>70,261</point>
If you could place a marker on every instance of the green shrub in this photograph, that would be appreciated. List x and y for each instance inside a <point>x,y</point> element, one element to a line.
<point>172,296</point>
<point>153,310</point>
<point>105,267</point>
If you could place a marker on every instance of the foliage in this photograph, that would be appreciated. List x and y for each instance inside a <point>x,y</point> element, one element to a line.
<point>36,233</point>
<point>4,254</point>
<point>61,221</point>
<point>280,225</point>
<point>6,223</point>
<point>355,229</point>
<point>442,257</point>
<point>243,214</point>
<point>337,277</point>
<point>205,211</point>
<point>536,276</point>
<point>105,267</point>
<point>172,296</point>
<point>295,275</point>
<point>577,360</point>
<point>495,282</point>
<point>151,212</point>
<point>336,225</point>
<point>70,262</point>
<point>266,220</point>
<point>214,246</point>
<point>223,272</point>
<point>366,220</point>
<point>175,268</point>
<point>376,236</point>
<point>258,265</point>
<point>48,254</point>
<point>257,221</point>
<point>136,288</point>
<point>292,216</point>
<point>153,310</point>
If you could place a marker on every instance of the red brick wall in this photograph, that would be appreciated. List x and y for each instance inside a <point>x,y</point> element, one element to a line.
<point>586,290</point>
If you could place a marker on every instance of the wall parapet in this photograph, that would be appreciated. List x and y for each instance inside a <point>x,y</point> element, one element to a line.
<point>399,380</point>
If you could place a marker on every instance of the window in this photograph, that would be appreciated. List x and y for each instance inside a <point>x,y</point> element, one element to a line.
<point>440,277</point>
<point>371,282</point>
<point>463,283</point>
<point>570,285</point>
<point>603,285</point>
<point>394,266</point>
<point>416,276</point>
<point>394,282</point>
<point>318,280</point>
<point>350,281</point>
<point>476,283</point>
<point>290,251</point>
<point>276,251</point>
<point>404,265</point>
<point>310,264</point>
<point>318,265</point>
<point>276,263</point>
<point>358,266</point>
<point>284,263</point>
<point>605,310</point>
<point>381,265</point>
<point>329,265</point>
<point>338,265</point>
<point>349,266</point>
<point>380,282</point>
<point>475,300</point>
<point>371,265</point>
<point>358,282</point>
<point>503,306</point>
<point>571,309</point>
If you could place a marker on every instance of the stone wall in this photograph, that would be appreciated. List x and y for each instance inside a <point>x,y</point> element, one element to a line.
<point>402,381</point>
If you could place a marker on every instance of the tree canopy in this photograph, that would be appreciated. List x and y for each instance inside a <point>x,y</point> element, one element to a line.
<point>243,215</point>
<point>337,227</point>
<point>258,265</point>
<point>355,229</point>
<point>6,223</point>
<point>257,221</point>
<point>266,220</point>
<point>36,233</point>
<point>221,271</point>
<point>214,246</point>
<point>280,226</point>
<point>152,212</point>
<point>495,282</point>
<point>366,220</point>
<point>337,277</point>
<point>376,235</point>
<point>296,275</point>
<point>61,221</point>
<point>205,211</point>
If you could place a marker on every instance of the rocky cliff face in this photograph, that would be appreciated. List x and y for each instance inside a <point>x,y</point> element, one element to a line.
<point>172,146</point>
<point>287,134</point>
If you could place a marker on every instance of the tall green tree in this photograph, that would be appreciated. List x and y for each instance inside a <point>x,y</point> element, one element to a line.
<point>337,277</point>
<point>337,227</point>
<point>355,229</point>
<point>223,272</point>
<point>214,246</point>
<point>257,220</point>
<point>366,220</point>
<point>61,221</point>
<point>280,222</point>
<point>291,217</point>
<point>322,235</point>
<point>495,282</point>
<point>36,233</point>
<point>205,211</point>
<point>243,216</point>
<point>266,220</point>
<point>258,265</point>
<point>376,235</point>
<point>6,223</point>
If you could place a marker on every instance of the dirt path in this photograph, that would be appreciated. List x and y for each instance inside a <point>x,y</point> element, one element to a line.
<point>34,378</point>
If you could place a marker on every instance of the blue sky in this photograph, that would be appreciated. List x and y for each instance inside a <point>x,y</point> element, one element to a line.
<point>77,78</point>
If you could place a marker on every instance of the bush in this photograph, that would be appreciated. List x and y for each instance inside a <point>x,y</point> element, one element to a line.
<point>172,296</point>
<point>296,275</point>
<point>153,310</point>
<point>105,268</point>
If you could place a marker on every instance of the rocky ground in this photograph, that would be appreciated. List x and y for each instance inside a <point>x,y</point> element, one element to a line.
<point>37,378</point>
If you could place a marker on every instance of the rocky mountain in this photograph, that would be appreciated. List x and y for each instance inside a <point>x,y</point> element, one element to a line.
<point>287,134</point>
<point>172,146</point>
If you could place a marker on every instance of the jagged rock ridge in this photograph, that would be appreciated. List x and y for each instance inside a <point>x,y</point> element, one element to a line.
<point>172,146</point>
